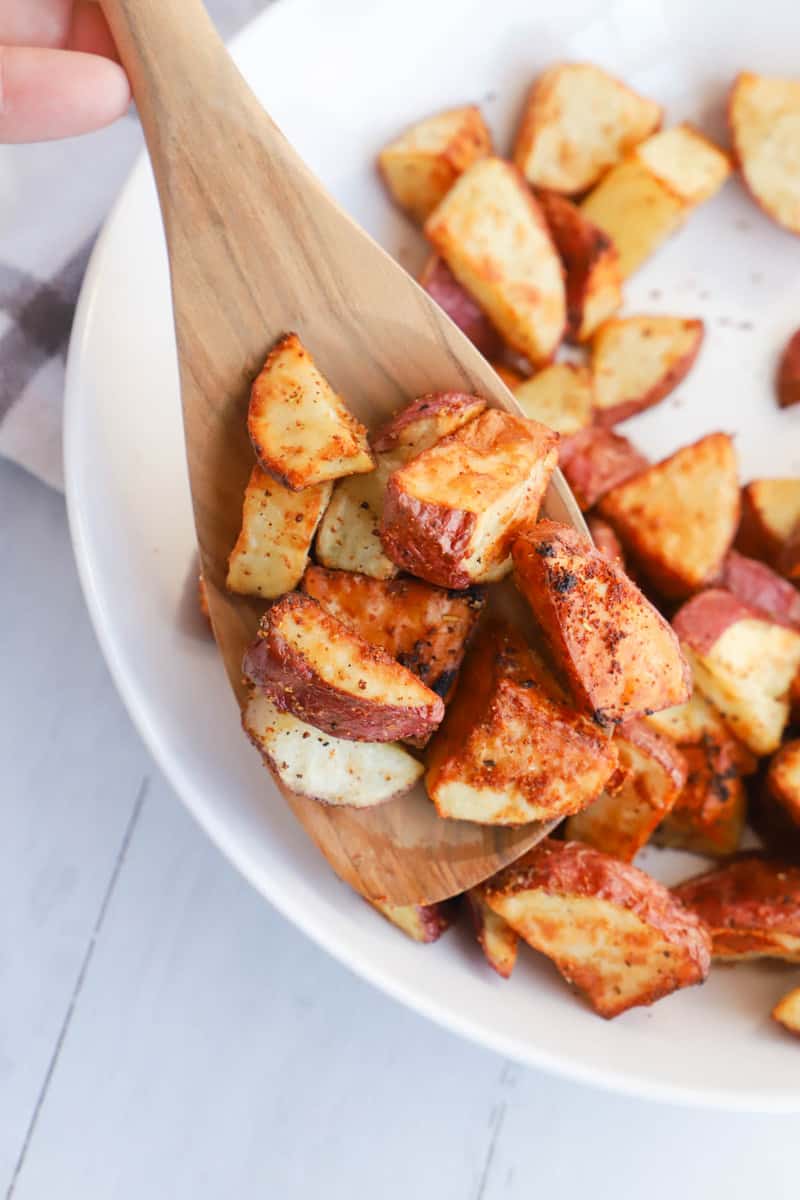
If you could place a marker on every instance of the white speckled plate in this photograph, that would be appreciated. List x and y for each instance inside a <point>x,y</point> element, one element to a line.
<point>341,78</point>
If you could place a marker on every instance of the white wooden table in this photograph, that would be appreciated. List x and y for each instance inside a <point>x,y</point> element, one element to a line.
<point>165,1034</point>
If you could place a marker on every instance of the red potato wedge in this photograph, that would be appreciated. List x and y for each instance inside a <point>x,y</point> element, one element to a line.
<point>498,941</point>
<point>622,822</point>
<point>278,527</point>
<point>652,191</point>
<point>709,814</point>
<point>606,540</point>
<point>619,936</point>
<point>782,780</point>
<point>764,120</point>
<point>789,557</point>
<point>678,518</point>
<point>440,283</point>
<point>770,511</point>
<point>561,397</point>
<point>743,663</point>
<point>302,432</point>
<point>755,584</point>
<point>421,922</point>
<point>597,460</point>
<point>452,512</point>
<point>637,361</point>
<point>591,264</point>
<point>490,231</point>
<point>332,770</point>
<point>425,628</point>
<point>510,750</point>
<point>425,422</point>
<point>787,1011</point>
<point>751,907</point>
<point>698,722</point>
<point>579,121</point>
<point>421,165</point>
<point>321,671</point>
<point>620,656</point>
<point>787,379</point>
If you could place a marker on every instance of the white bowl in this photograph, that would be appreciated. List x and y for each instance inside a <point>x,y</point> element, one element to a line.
<point>341,78</point>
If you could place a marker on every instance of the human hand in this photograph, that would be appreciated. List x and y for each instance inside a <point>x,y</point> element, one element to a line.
<point>58,70</point>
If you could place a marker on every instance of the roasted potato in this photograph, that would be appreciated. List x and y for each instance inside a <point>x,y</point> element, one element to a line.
<point>770,511</point>
<point>697,722</point>
<point>649,195</point>
<point>787,1011</point>
<point>328,769</point>
<point>498,941</point>
<point>420,922</point>
<point>764,118</point>
<point>425,422</point>
<point>440,283</point>
<point>560,396</point>
<point>510,750</point>
<point>708,815</point>
<point>751,907</point>
<point>789,557</point>
<point>622,822</point>
<point>425,628</point>
<point>421,165</point>
<point>596,460</point>
<point>302,432</point>
<point>678,518</point>
<point>490,231</point>
<point>320,670</point>
<point>619,936</point>
<point>756,584</point>
<point>620,656</point>
<point>606,540</point>
<point>782,779</point>
<point>579,121</point>
<point>743,663</point>
<point>637,361</point>
<point>451,513</point>
<point>591,263</point>
<point>787,379</point>
<point>278,527</point>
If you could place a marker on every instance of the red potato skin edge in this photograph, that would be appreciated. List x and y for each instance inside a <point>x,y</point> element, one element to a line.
<point>701,621</point>
<point>581,246</point>
<point>605,417</point>
<point>597,460</point>
<point>787,380</point>
<point>442,286</point>
<point>745,900</point>
<point>757,585</point>
<point>423,408</point>
<point>440,539</point>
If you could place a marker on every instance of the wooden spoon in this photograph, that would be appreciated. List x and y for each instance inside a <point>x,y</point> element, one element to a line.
<point>257,248</point>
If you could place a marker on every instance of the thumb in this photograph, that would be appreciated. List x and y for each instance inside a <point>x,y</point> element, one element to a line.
<point>57,93</point>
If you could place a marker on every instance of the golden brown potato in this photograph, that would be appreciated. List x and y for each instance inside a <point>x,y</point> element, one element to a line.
<point>756,584</point>
<point>278,528</point>
<point>787,380</point>
<point>743,663</point>
<point>697,722</point>
<point>597,460</point>
<point>318,669</point>
<point>637,361</point>
<point>498,941</point>
<point>606,540</point>
<point>650,194</point>
<point>620,656</point>
<point>787,1011</point>
<point>426,421</point>
<point>425,628</point>
<point>591,263</point>
<point>492,235</point>
<point>764,119</point>
<point>510,750</point>
<point>578,122</point>
<point>770,511</point>
<point>751,907</point>
<point>420,922</point>
<point>421,165</point>
<point>560,396</point>
<point>709,814</point>
<point>783,779</point>
<point>619,936</point>
<point>451,513</point>
<point>302,432</point>
<point>440,283</point>
<point>678,518</point>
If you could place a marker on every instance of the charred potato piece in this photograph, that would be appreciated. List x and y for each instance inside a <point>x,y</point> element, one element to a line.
<point>678,518</point>
<point>770,511</point>
<point>498,941</point>
<point>425,422</point>
<point>440,283</point>
<point>302,432</point>
<point>425,628</point>
<point>622,822</point>
<point>578,122</point>
<point>451,513</point>
<point>637,361</point>
<point>754,583</point>
<point>331,770</point>
<point>787,1011</point>
<point>764,119</point>
<point>491,233</point>
<point>597,460</point>
<point>510,750</point>
<point>606,540</point>
<point>560,397</point>
<point>709,814</point>
<point>591,263</point>
<point>278,527</point>
<point>421,165</point>
<point>421,922</point>
<point>619,654</point>
<point>751,907</point>
<point>743,663</point>
<point>619,936</point>
<point>318,669</point>
<point>787,380</point>
<point>783,780</point>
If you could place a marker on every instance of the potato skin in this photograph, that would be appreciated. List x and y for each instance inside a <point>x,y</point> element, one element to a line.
<point>498,941</point>
<point>597,460</point>
<point>701,621</point>
<point>425,421</point>
<point>756,585</point>
<point>787,381</point>
<point>441,284</point>
<point>617,339</point>
<point>789,557</point>
<point>770,510</point>
<point>606,540</point>
<point>424,923</point>
<point>591,265</point>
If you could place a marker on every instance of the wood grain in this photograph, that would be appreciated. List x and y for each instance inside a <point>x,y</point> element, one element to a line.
<point>256,249</point>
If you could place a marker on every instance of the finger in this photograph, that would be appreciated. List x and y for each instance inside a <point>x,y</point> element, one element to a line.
<point>57,93</point>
